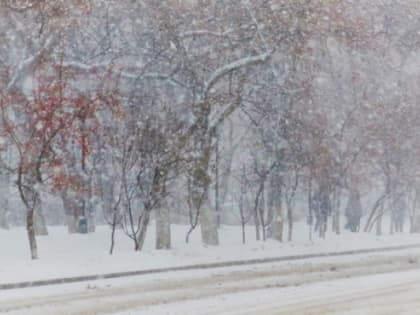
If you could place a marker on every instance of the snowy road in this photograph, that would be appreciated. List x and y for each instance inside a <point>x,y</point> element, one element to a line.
<point>347,287</point>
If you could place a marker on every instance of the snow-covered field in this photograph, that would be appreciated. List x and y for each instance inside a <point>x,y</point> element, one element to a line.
<point>64,255</point>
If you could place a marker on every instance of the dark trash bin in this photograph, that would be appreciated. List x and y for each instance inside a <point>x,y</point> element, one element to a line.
<point>83,225</point>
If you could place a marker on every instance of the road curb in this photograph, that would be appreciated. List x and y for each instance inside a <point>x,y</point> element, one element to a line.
<point>66,280</point>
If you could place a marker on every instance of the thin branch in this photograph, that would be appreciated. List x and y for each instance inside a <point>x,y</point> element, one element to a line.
<point>222,71</point>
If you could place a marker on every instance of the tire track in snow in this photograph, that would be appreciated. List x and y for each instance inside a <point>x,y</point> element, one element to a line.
<point>109,300</point>
<point>392,300</point>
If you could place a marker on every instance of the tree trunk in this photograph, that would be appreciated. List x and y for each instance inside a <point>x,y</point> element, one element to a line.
<point>323,227</point>
<point>392,223</point>
<point>216,187</point>
<point>277,230</point>
<point>90,207</point>
<point>200,202</point>
<point>289,223</point>
<point>71,222</point>
<point>115,223</point>
<point>4,223</point>
<point>257,225</point>
<point>91,219</point>
<point>70,212</point>
<point>40,225</point>
<point>144,223</point>
<point>209,233</point>
<point>201,179</point>
<point>193,224</point>
<point>31,233</point>
<point>4,204</point>
<point>413,216</point>
<point>310,218</point>
<point>258,217</point>
<point>336,214</point>
<point>412,225</point>
<point>261,213</point>
<point>207,218</point>
<point>379,203</point>
<point>379,222</point>
<point>31,200</point>
<point>277,226</point>
<point>163,228</point>
<point>111,249</point>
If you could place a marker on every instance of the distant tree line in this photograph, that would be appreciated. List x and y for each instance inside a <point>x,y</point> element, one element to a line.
<point>208,112</point>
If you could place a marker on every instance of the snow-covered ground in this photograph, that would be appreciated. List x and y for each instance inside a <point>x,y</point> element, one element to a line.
<point>64,255</point>
<point>346,287</point>
<point>394,293</point>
